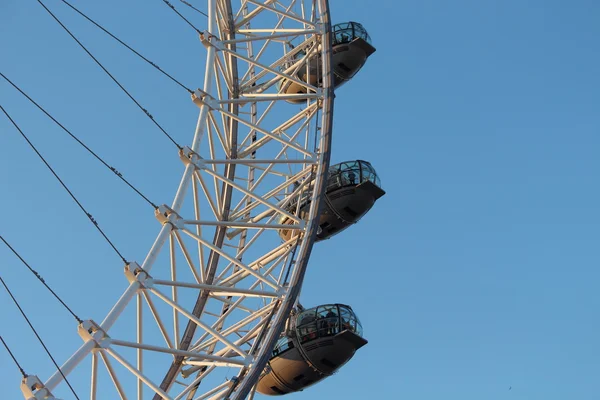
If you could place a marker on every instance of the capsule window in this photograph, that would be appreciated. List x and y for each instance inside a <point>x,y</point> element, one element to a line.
<point>323,321</point>
<point>340,49</point>
<point>325,361</point>
<point>277,390</point>
<point>328,320</point>
<point>282,346</point>
<point>349,321</point>
<point>348,31</point>
<point>350,211</point>
<point>346,320</point>
<point>344,67</point>
<point>359,329</point>
<point>306,325</point>
<point>333,229</point>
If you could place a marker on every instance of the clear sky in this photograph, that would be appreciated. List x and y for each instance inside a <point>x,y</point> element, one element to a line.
<point>475,277</point>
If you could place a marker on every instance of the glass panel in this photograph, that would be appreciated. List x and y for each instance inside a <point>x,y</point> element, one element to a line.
<point>328,320</point>
<point>346,319</point>
<point>350,321</point>
<point>348,31</point>
<point>282,345</point>
<point>306,326</point>
<point>348,173</point>
<point>343,174</point>
<point>369,174</point>
<point>325,320</point>
<point>359,329</point>
<point>306,317</point>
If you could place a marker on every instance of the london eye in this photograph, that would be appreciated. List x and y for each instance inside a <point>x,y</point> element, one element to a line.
<point>213,309</point>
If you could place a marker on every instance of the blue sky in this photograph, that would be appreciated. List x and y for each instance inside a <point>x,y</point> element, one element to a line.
<point>476,273</point>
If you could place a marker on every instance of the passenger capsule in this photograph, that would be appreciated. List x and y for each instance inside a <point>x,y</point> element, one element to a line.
<point>352,189</point>
<point>318,342</point>
<point>351,48</point>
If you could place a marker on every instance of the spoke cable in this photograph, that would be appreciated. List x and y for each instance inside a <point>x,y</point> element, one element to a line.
<point>38,336</point>
<point>172,7</point>
<point>191,6</point>
<point>90,217</point>
<point>13,357</point>
<point>127,46</point>
<point>113,169</point>
<point>111,76</point>
<point>41,279</point>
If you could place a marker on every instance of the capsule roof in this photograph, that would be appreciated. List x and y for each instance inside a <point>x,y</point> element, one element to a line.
<point>348,31</point>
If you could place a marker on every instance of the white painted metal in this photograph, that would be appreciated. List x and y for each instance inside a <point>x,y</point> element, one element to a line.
<point>230,281</point>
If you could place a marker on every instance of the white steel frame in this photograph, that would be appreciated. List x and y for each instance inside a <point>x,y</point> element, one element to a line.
<point>223,251</point>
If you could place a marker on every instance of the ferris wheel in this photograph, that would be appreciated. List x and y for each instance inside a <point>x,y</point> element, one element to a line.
<point>213,311</point>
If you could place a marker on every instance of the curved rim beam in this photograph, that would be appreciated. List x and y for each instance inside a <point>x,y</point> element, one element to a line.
<point>262,327</point>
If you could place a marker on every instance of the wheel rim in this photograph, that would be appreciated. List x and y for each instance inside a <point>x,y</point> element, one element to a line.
<point>232,280</point>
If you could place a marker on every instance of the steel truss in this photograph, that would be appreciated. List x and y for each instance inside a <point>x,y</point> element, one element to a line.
<point>203,310</point>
